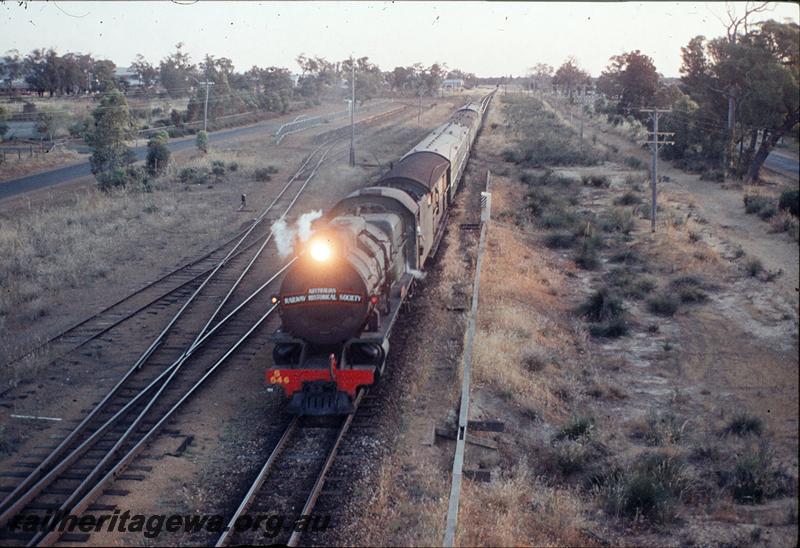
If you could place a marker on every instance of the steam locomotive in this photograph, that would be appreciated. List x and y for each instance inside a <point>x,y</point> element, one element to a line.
<point>340,299</point>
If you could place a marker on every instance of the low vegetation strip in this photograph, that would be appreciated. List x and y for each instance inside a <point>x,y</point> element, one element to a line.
<point>576,289</point>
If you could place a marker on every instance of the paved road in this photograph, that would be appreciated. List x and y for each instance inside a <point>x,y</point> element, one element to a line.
<point>66,174</point>
<point>784,165</point>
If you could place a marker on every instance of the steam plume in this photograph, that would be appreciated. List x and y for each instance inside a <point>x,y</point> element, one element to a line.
<point>285,234</point>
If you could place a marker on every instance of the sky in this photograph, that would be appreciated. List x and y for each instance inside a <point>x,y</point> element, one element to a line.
<point>488,39</point>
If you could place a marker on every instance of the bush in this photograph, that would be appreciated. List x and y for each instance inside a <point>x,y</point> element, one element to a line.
<point>130,176</point>
<point>754,203</point>
<point>597,181</point>
<point>158,153</point>
<point>628,198</point>
<point>262,174</point>
<point>716,175</point>
<point>201,141</point>
<point>743,425</point>
<point>621,220</point>
<point>218,168</point>
<point>790,201</point>
<point>629,284</point>
<point>561,240</point>
<point>663,305</point>
<point>689,289</point>
<point>755,479</point>
<point>602,306</point>
<point>233,166</point>
<point>193,175</point>
<point>634,162</point>
<point>576,428</point>
<point>586,254</point>
<point>611,329</point>
<point>651,488</point>
<point>754,267</point>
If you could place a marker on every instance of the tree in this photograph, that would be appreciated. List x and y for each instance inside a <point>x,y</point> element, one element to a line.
<point>175,71</point>
<point>145,72</point>
<point>104,79</point>
<point>631,78</point>
<point>541,74</point>
<point>570,77</point>
<point>111,130</point>
<point>158,153</point>
<point>201,141</point>
<point>749,82</point>
<point>3,124</point>
<point>12,67</point>
<point>51,123</point>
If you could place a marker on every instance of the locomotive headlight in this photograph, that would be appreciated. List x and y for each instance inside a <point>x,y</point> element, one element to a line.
<point>320,250</point>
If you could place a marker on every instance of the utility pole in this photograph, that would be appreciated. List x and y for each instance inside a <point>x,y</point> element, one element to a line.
<point>583,99</point>
<point>352,112</point>
<point>207,83</point>
<point>654,145</point>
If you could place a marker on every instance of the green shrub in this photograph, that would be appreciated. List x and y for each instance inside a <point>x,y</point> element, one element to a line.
<point>689,289</point>
<point>621,220</point>
<point>754,267</point>
<point>755,478</point>
<point>586,256</point>
<point>262,174</point>
<point>663,305</point>
<point>790,201</point>
<point>218,168</point>
<point>611,329</point>
<point>193,175</point>
<point>597,181</point>
<point>577,427</point>
<point>233,166</point>
<point>743,425</point>
<point>158,153</point>
<point>716,175</point>
<point>201,141</point>
<point>602,305</point>
<point>559,240</point>
<point>628,198</point>
<point>652,487</point>
<point>634,162</point>
<point>754,203</point>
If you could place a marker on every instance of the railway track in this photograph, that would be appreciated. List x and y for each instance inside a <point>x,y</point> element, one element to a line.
<point>291,481</point>
<point>73,474</point>
<point>77,470</point>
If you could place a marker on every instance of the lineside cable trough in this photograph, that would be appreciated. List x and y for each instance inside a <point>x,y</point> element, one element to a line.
<point>463,417</point>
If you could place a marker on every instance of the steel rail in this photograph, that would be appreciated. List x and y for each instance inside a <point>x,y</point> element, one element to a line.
<point>311,501</point>
<point>172,370</point>
<point>53,456</point>
<point>48,539</point>
<point>76,453</point>
<point>250,496</point>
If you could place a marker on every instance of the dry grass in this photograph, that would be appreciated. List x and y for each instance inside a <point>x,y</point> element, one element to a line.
<point>521,510</point>
<point>87,242</point>
<point>15,166</point>
<point>519,315</point>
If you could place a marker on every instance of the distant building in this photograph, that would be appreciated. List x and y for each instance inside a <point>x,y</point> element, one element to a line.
<point>453,84</point>
<point>128,75</point>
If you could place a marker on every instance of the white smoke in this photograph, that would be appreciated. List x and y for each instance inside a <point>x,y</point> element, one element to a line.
<point>285,234</point>
<point>304,224</point>
<point>418,274</point>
